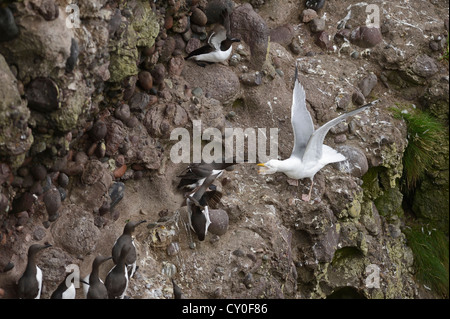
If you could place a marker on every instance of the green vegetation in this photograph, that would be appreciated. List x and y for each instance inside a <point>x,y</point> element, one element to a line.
<point>431,252</point>
<point>424,141</point>
<point>445,54</point>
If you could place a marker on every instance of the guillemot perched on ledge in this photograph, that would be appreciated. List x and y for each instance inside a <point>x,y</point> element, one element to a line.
<point>30,284</point>
<point>218,48</point>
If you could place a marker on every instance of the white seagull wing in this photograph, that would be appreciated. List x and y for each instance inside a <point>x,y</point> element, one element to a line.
<point>313,151</point>
<point>301,120</point>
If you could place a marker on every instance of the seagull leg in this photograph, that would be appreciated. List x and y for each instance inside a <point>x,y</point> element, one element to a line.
<point>307,198</point>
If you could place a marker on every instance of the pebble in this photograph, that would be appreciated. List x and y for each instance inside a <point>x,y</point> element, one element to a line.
<point>367,84</point>
<point>118,172</point>
<point>248,280</point>
<point>358,98</point>
<point>198,29</point>
<point>355,54</point>
<point>181,25</point>
<point>122,112</point>
<point>173,249</point>
<point>219,222</point>
<point>425,66</point>
<point>42,95</point>
<point>168,22</point>
<point>317,25</point>
<point>39,172</point>
<point>98,131</point>
<point>192,44</point>
<point>308,15</point>
<point>8,27</point>
<point>145,80</point>
<point>198,17</point>
<point>323,40</point>
<point>116,193</point>
<point>366,37</point>
<point>197,92</point>
<point>52,201</point>
<point>158,73</point>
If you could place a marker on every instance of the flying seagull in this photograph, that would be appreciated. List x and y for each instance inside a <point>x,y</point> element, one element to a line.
<point>309,154</point>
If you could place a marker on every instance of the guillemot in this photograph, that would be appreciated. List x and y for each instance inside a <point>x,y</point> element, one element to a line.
<point>93,286</point>
<point>30,284</point>
<point>198,208</point>
<point>116,281</point>
<point>126,240</point>
<point>218,49</point>
<point>65,290</point>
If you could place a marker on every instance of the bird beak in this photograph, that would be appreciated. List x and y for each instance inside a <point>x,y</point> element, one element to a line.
<point>263,168</point>
<point>261,164</point>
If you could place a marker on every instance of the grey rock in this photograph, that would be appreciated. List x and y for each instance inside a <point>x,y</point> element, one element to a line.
<point>367,84</point>
<point>425,66</point>
<point>317,25</point>
<point>219,222</point>
<point>43,95</point>
<point>282,34</point>
<point>308,15</point>
<point>358,98</point>
<point>247,25</point>
<point>52,201</point>
<point>8,27</point>
<point>214,9</point>
<point>356,162</point>
<point>366,37</point>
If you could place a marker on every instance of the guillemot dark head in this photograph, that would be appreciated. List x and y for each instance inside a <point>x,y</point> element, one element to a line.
<point>30,284</point>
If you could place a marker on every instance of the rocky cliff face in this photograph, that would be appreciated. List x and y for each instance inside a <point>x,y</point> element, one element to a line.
<point>90,93</point>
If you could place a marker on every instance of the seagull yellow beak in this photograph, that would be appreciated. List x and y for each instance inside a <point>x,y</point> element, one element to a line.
<point>263,169</point>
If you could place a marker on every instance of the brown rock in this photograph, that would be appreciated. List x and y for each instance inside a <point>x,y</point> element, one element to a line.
<point>176,65</point>
<point>366,37</point>
<point>145,80</point>
<point>308,15</point>
<point>198,17</point>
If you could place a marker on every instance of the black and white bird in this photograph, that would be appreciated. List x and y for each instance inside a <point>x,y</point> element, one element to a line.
<point>66,289</point>
<point>196,173</point>
<point>309,154</point>
<point>93,286</point>
<point>198,208</point>
<point>116,282</point>
<point>30,284</point>
<point>126,239</point>
<point>218,48</point>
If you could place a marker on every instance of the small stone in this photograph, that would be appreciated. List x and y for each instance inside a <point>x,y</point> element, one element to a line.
<point>192,245</point>
<point>168,22</point>
<point>198,17</point>
<point>42,95</point>
<point>355,54</point>
<point>39,172</point>
<point>39,233</point>
<point>173,249</point>
<point>367,84</point>
<point>118,172</point>
<point>145,80</point>
<point>116,193</point>
<point>219,222</point>
<point>251,79</point>
<point>167,50</point>
<point>282,34</point>
<point>323,40</point>
<point>317,25</point>
<point>341,138</point>
<point>98,131</point>
<point>8,27</point>
<point>158,73</point>
<point>358,98</point>
<point>198,30</point>
<point>122,112</point>
<point>356,161</point>
<point>193,44</point>
<point>238,253</point>
<point>366,37</point>
<point>308,15</point>
<point>197,92</point>
<point>139,101</point>
<point>176,65</point>
<point>181,25</point>
<point>52,201</point>
<point>248,280</point>
<point>425,66</point>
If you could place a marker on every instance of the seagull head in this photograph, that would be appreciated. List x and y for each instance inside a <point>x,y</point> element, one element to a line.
<point>269,167</point>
